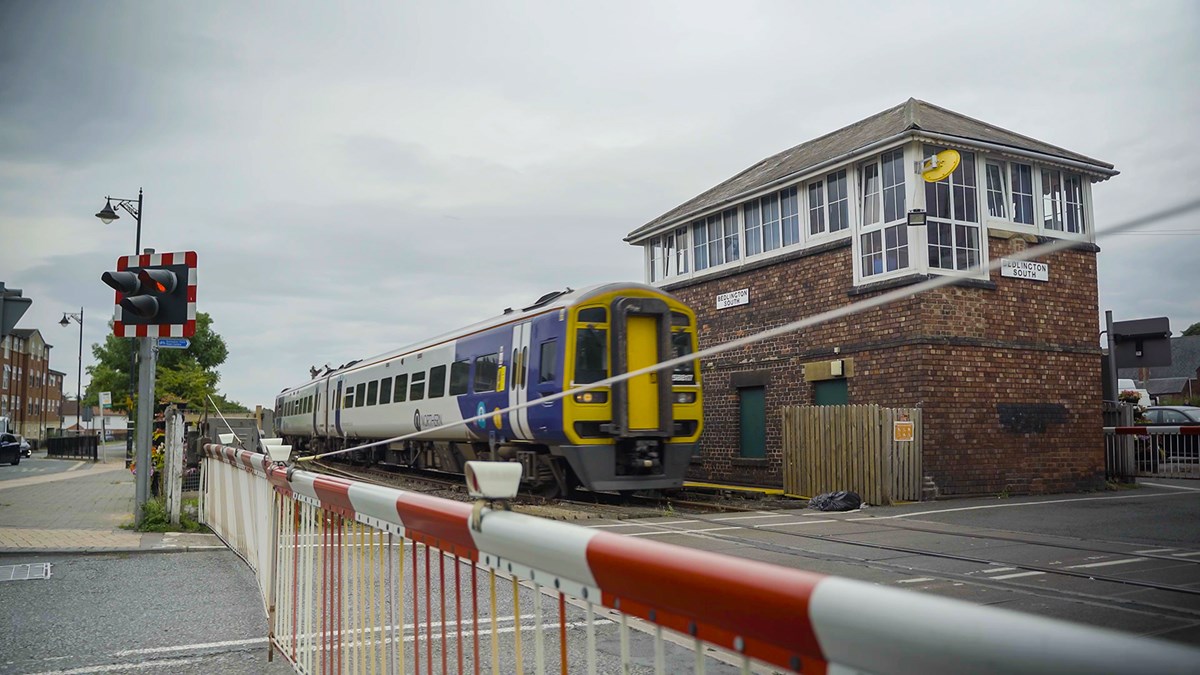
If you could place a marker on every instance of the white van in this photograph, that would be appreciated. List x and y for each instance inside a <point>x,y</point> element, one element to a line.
<point>1125,384</point>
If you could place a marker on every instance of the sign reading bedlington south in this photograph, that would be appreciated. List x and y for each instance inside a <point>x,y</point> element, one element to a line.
<point>1024,269</point>
<point>733,298</point>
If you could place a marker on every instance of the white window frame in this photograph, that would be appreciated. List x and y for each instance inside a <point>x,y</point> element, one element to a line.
<point>959,229</point>
<point>826,233</point>
<point>899,225</point>
<point>1008,222</point>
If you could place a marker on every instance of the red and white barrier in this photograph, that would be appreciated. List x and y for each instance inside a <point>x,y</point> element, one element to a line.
<point>786,618</point>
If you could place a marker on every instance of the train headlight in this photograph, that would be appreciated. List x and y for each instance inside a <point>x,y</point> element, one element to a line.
<point>592,397</point>
<point>685,397</point>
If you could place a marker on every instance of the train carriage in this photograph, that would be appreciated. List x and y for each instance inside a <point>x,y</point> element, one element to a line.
<point>636,434</point>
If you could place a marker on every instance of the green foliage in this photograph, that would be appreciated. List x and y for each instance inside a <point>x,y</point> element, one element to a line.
<point>1193,329</point>
<point>186,376</point>
<point>155,517</point>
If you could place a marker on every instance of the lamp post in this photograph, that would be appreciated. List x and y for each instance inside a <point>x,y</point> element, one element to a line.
<point>107,215</point>
<point>66,321</point>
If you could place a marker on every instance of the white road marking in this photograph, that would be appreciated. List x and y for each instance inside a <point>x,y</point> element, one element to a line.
<point>804,522</point>
<point>765,515</point>
<point>915,580</point>
<point>614,525</point>
<point>665,532</point>
<point>1042,503</point>
<point>1123,561</point>
<point>993,570</point>
<point>1019,574</point>
<point>1158,550</point>
<point>1171,487</point>
<point>1186,555</point>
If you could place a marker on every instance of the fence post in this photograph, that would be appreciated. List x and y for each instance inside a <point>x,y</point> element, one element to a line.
<point>173,462</point>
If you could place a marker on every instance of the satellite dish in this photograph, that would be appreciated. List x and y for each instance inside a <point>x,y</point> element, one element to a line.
<point>940,165</point>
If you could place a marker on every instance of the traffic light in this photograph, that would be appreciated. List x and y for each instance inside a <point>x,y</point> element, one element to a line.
<point>156,295</point>
<point>12,307</point>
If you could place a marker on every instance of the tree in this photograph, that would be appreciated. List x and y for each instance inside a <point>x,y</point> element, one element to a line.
<point>1193,329</point>
<point>188,376</point>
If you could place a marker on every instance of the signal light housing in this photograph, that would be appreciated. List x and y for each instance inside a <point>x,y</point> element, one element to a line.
<point>156,295</point>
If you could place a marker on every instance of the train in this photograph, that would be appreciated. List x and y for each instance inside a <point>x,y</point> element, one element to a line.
<point>637,434</point>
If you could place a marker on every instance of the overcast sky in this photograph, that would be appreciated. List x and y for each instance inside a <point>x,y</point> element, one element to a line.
<point>360,176</point>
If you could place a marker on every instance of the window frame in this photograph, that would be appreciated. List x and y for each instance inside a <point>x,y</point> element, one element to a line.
<point>888,236</point>
<point>962,190</point>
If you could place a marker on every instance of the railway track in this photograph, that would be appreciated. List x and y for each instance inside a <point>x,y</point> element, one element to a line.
<point>454,488</point>
<point>1018,575</point>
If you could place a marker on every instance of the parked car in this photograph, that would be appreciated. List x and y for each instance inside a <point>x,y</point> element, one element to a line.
<point>10,449</point>
<point>1183,446</point>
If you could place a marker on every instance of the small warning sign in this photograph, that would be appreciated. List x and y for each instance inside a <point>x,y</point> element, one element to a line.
<point>902,431</point>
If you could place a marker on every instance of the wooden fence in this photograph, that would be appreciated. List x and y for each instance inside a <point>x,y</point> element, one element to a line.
<point>852,447</point>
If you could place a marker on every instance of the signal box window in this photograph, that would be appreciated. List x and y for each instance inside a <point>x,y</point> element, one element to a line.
<point>460,377</point>
<point>486,369</point>
<point>437,381</point>
<point>385,391</point>
<point>416,390</point>
<point>372,392</point>
<point>548,362</point>
<point>401,389</point>
<point>360,395</point>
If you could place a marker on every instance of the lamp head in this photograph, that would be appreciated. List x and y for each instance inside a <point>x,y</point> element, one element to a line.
<point>106,214</point>
<point>65,321</point>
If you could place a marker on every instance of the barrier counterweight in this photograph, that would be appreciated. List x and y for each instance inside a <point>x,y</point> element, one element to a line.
<point>358,578</point>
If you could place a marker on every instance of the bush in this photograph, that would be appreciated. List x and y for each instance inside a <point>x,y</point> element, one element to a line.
<point>155,517</point>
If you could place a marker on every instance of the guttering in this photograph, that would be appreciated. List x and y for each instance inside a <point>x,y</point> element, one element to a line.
<point>1020,152</point>
<point>815,168</point>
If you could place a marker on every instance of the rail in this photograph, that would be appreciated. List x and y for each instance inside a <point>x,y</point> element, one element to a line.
<point>354,579</point>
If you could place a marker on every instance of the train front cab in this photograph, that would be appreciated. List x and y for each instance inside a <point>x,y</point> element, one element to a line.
<point>640,433</point>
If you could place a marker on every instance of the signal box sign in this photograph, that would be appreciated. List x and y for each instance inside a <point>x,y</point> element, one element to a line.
<point>159,296</point>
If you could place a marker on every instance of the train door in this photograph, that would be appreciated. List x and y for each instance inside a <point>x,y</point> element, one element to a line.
<point>641,337</point>
<point>337,408</point>
<point>316,407</point>
<point>518,420</point>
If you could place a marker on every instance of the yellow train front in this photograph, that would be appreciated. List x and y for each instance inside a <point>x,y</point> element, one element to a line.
<point>635,434</point>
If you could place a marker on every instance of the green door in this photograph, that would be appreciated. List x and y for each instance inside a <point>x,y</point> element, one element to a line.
<point>832,392</point>
<point>753,416</point>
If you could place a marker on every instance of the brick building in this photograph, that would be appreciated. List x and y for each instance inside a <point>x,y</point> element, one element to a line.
<point>1005,369</point>
<point>30,392</point>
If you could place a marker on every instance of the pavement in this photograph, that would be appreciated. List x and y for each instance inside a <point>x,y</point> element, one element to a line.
<point>72,506</point>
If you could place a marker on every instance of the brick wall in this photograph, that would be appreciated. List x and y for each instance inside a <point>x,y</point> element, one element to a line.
<point>1007,372</point>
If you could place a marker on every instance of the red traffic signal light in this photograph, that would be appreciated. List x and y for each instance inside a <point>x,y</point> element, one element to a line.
<point>156,295</point>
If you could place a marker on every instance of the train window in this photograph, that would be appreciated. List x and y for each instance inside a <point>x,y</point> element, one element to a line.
<point>437,381</point>
<point>385,391</point>
<point>486,370</point>
<point>591,355</point>
<point>681,344</point>
<point>524,365</point>
<point>416,390</point>
<point>680,319</point>
<point>372,392</point>
<point>349,398</point>
<point>401,389</point>
<point>512,378</point>
<point>548,363</point>
<point>593,315</point>
<point>360,395</point>
<point>460,377</point>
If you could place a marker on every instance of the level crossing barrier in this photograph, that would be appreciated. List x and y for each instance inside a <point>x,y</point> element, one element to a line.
<point>1160,452</point>
<point>367,579</point>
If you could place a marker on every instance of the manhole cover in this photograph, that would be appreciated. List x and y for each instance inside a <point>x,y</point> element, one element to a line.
<point>24,572</point>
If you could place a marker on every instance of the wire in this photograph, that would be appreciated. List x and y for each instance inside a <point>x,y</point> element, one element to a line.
<point>1031,253</point>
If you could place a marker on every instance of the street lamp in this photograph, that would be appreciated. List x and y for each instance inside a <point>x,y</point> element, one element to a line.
<point>107,215</point>
<point>66,321</point>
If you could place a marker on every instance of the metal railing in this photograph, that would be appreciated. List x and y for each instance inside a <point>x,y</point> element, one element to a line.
<point>1160,452</point>
<point>73,447</point>
<point>362,578</point>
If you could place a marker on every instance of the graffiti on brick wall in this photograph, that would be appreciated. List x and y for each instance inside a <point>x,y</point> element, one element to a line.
<point>1030,418</point>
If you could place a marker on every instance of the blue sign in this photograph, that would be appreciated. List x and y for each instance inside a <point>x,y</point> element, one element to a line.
<point>174,343</point>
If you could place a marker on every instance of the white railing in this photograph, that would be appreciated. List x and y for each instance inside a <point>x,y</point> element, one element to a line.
<point>367,579</point>
<point>1160,452</point>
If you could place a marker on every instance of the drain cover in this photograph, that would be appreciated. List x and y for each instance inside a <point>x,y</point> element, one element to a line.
<point>24,572</point>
